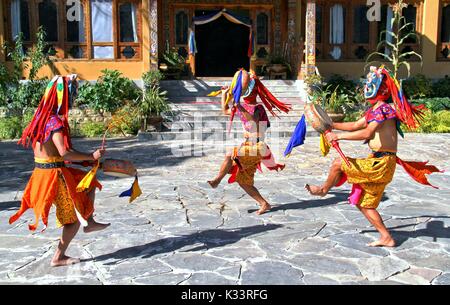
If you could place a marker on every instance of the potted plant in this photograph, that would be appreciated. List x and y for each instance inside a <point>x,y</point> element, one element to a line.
<point>173,65</point>
<point>153,103</point>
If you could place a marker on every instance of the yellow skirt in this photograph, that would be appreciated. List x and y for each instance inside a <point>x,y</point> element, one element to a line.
<point>249,156</point>
<point>373,175</point>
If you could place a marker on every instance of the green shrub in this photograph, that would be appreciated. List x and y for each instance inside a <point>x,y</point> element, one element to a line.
<point>14,93</point>
<point>438,122</point>
<point>338,82</point>
<point>418,86</point>
<point>442,87</point>
<point>109,93</point>
<point>92,129</point>
<point>353,116</point>
<point>434,104</point>
<point>10,128</point>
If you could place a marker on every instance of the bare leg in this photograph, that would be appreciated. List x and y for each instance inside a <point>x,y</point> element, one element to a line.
<point>60,258</point>
<point>333,178</point>
<point>94,226</point>
<point>254,193</point>
<point>375,219</point>
<point>224,170</point>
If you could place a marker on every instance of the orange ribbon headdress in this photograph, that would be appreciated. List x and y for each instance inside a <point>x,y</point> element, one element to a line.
<point>55,101</point>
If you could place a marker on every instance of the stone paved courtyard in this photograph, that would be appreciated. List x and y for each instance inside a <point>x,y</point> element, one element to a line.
<point>182,232</point>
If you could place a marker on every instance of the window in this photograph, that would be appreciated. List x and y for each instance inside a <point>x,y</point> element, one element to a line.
<point>181,28</point>
<point>337,30</point>
<point>48,19</point>
<point>84,29</point>
<point>262,29</point>
<point>410,14</point>
<point>20,19</point>
<point>360,24</point>
<point>444,45</point>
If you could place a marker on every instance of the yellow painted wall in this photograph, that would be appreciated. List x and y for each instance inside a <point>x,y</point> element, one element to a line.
<point>431,67</point>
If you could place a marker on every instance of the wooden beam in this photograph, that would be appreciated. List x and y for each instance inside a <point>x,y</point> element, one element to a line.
<point>145,53</point>
<point>154,34</point>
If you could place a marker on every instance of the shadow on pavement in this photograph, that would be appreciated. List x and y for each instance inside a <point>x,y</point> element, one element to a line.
<point>210,239</point>
<point>434,229</point>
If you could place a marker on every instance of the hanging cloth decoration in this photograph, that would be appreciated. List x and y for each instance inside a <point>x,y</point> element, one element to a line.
<point>201,20</point>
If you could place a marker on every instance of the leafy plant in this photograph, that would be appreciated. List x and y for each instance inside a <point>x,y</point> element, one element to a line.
<point>400,35</point>
<point>109,93</point>
<point>154,101</point>
<point>418,86</point>
<point>344,85</point>
<point>10,128</point>
<point>15,93</point>
<point>438,122</point>
<point>92,129</point>
<point>173,59</point>
<point>434,104</point>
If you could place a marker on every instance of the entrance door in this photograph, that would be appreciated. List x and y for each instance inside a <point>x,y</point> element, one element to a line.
<point>222,47</point>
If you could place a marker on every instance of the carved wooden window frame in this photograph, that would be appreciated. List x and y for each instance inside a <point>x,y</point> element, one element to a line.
<point>348,48</point>
<point>62,46</point>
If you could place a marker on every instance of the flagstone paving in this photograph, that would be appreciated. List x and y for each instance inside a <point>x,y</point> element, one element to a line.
<point>182,232</point>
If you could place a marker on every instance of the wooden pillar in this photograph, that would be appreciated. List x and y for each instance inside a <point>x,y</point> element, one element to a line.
<point>310,41</point>
<point>153,34</point>
<point>2,32</point>
<point>145,36</point>
<point>299,38</point>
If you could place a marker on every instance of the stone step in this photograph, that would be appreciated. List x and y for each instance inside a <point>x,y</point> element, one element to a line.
<point>216,135</point>
<point>216,100</point>
<point>192,117</point>
<point>220,82</point>
<point>182,93</point>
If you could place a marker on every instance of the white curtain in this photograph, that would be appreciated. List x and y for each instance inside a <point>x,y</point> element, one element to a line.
<point>336,29</point>
<point>102,23</point>
<point>389,38</point>
<point>134,20</point>
<point>15,19</point>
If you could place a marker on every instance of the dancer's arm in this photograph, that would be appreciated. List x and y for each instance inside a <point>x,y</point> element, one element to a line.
<point>73,155</point>
<point>363,134</point>
<point>351,126</point>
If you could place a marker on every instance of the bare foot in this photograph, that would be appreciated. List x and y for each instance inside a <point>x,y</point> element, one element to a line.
<point>315,190</point>
<point>64,261</point>
<point>265,208</point>
<point>214,183</point>
<point>95,226</point>
<point>383,242</point>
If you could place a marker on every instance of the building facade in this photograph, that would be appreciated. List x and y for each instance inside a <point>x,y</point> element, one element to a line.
<point>217,36</point>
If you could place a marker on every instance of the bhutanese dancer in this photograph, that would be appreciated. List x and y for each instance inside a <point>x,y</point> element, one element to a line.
<point>379,126</point>
<point>52,183</point>
<point>243,161</point>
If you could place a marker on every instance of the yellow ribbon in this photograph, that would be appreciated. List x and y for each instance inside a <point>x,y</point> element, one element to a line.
<point>324,145</point>
<point>85,184</point>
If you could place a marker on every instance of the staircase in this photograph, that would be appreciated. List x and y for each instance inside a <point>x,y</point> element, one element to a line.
<point>198,117</point>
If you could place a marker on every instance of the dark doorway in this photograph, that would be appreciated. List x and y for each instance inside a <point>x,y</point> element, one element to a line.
<point>222,48</point>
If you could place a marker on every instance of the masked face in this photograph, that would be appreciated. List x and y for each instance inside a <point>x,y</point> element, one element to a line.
<point>373,83</point>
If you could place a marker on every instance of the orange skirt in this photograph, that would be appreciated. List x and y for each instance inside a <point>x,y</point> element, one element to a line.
<point>56,186</point>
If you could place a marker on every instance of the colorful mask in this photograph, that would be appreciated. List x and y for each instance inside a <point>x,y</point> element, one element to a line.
<point>373,82</point>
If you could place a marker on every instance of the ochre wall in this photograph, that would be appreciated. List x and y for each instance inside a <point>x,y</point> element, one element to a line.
<point>431,67</point>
